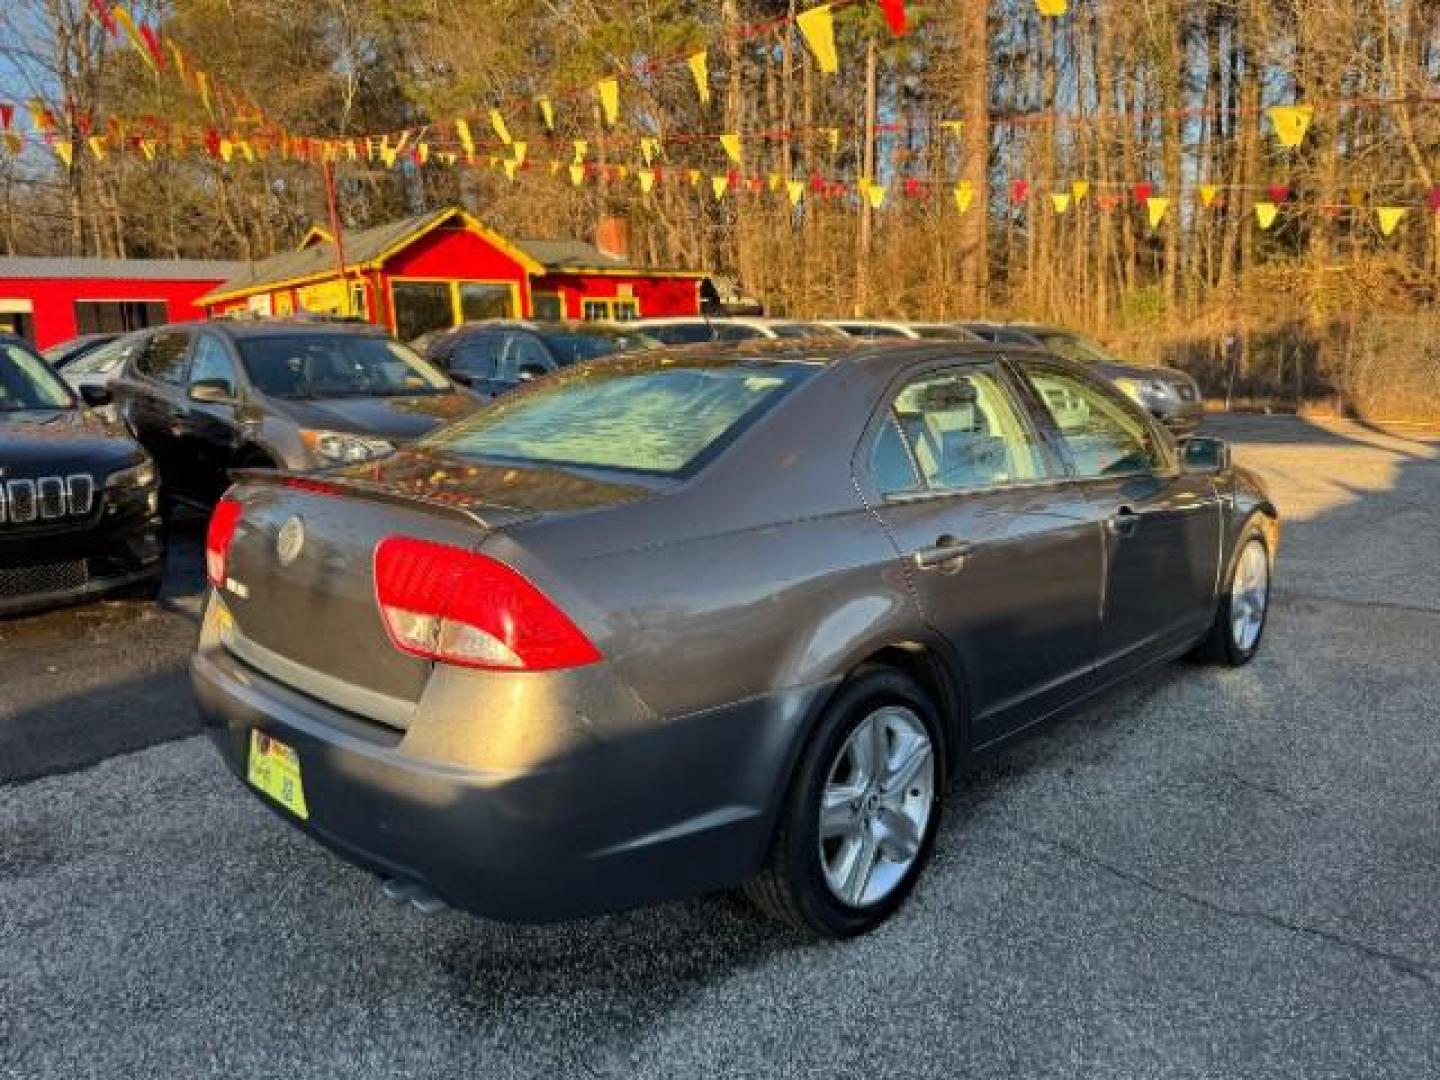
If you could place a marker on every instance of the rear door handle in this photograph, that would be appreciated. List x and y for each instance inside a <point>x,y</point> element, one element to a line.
<point>1123,522</point>
<point>948,554</point>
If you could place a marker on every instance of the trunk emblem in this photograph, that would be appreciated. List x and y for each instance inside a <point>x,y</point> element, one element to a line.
<point>290,541</point>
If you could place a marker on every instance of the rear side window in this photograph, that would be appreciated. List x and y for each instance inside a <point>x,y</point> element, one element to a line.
<point>954,431</point>
<point>164,358</point>
<point>1103,436</point>
<point>478,355</point>
<point>666,420</point>
<point>212,366</point>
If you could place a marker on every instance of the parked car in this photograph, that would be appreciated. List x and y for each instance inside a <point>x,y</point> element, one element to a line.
<point>101,365</point>
<point>685,620</point>
<point>77,498</point>
<point>693,331</point>
<point>874,329</point>
<point>205,398</point>
<point>67,352</point>
<point>493,357</point>
<point>1171,396</point>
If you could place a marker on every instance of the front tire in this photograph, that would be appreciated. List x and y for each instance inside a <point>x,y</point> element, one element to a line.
<point>1244,607</point>
<point>859,822</point>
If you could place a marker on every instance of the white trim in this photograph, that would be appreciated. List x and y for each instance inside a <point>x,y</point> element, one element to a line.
<point>17,307</point>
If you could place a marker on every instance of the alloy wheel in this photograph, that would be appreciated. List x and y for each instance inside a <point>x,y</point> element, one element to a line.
<point>876,806</point>
<point>1249,595</point>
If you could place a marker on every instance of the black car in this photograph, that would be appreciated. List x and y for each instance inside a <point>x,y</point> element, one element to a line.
<point>78,500</point>
<point>205,398</point>
<point>493,357</point>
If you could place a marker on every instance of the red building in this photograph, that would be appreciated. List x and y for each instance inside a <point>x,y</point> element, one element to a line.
<point>50,300</point>
<point>444,268</point>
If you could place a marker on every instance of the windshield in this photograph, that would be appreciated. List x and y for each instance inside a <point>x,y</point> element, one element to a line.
<point>26,382</point>
<point>632,416</point>
<point>338,365</point>
<point>572,348</point>
<point>1074,347</point>
<point>103,360</point>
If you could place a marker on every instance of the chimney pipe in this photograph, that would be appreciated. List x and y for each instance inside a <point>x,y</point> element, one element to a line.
<point>612,237</point>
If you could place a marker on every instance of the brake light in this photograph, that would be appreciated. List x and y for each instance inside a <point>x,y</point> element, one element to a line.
<point>223,523</point>
<point>448,604</point>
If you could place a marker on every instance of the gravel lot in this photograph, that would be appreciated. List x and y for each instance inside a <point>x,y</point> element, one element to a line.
<point>1210,873</point>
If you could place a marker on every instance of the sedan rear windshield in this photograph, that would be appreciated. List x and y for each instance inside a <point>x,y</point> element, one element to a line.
<point>337,365</point>
<point>666,420</point>
<point>26,382</point>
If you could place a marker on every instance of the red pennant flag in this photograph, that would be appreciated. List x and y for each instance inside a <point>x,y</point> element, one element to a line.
<point>1143,193</point>
<point>913,190</point>
<point>1108,202</point>
<point>107,20</point>
<point>757,185</point>
<point>1019,191</point>
<point>212,142</point>
<point>7,117</point>
<point>894,15</point>
<point>152,42</point>
<point>1278,193</point>
<point>1434,199</point>
<point>817,184</point>
<point>733,177</point>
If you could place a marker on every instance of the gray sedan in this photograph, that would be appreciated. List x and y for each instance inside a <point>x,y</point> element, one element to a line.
<point>726,616</point>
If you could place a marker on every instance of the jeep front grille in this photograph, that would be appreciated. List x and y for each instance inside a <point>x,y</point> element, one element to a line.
<point>46,498</point>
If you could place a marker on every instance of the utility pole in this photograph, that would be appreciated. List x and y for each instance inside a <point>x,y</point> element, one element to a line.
<point>867,225</point>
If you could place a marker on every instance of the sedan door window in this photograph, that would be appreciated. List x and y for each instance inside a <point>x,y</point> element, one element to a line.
<point>1104,435</point>
<point>478,356</point>
<point>954,431</point>
<point>212,366</point>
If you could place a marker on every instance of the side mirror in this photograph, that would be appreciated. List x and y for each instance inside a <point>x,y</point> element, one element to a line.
<point>1203,454</point>
<point>212,391</point>
<point>97,397</point>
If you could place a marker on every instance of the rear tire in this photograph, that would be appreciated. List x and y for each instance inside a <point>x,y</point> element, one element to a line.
<point>879,822</point>
<point>1244,607</point>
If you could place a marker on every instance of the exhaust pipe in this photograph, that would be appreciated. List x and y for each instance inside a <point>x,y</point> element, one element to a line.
<point>401,892</point>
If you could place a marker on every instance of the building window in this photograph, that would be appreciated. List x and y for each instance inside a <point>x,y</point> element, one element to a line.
<point>622,309</point>
<point>118,316</point>
<point>485,302</point>
<point>423,306</point>
<point>18,317</point>
<point>549,307</point>
<point>359,307</point>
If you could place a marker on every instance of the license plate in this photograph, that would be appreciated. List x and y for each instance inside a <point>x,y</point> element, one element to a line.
<point>274,768</point>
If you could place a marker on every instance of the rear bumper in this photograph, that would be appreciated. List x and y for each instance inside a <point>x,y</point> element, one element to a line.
<point>650,810</point>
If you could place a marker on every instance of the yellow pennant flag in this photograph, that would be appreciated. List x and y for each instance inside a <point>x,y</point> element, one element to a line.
<point>447,158</point>
<point>581,149</point>
<point>818,28</point>
<point>731,143</point>
<point>775,181</point>
<point>227,150</point>
<point>647,180</point>
<point>649,147</point>
<point>555,164</point>
<point>1265,214</point>
<point>467,140</point>
<point>547,113</point>
<point>1389,218</point>
<point>498,123</point>
<point>492,162</point>
<point>1291,122</point>
<point>1079,189</point>
<point>202,87</point>
<point>1208,192</point>
<point>1156,208</point>
<point>834,135</point>
<point>719,185</point>
<point>694,177</point>
<point>1052,8</point>
<point>964,196</point>
<point>862,185</point>
<point>65,152</point>
<point>700,69</point>
<point>510,167</point>
<point>609,91</point>
<point>956,128</point>
<point>577,174</point>
<point>622,171</point>
<point>519,149</point>
<point>97,147</point>
<point>796,190</point>
<point>249,151</point>
<point>422,153</point>
<point>125,22</point>
<point>1061,199</point>
<point>148,147</point>
<point>876,194</point>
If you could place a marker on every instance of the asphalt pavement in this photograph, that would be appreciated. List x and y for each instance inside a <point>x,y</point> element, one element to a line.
<point>1209,873</point>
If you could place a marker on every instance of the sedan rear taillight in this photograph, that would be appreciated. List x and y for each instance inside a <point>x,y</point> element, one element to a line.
<point>448,604</point>
<point>223,523</point>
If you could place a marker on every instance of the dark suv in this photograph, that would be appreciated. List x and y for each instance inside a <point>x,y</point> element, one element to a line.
<point>208,397</point>
<point>77,498</point>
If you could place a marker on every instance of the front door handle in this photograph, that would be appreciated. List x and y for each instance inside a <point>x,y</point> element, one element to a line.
<point>948,555</point>
<point>1123,522</point>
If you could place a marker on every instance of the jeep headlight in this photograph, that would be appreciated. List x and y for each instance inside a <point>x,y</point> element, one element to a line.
<point>137,476</point>
<point>342,448</point>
